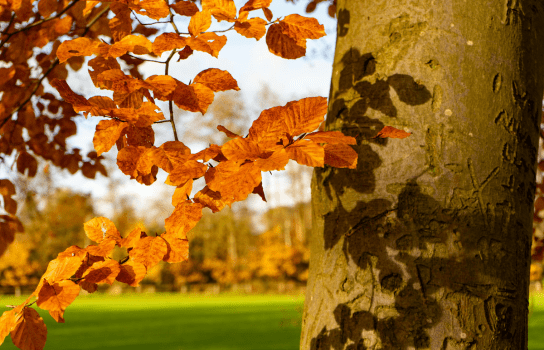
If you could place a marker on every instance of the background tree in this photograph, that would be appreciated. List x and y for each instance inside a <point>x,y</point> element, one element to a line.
<point>427,244</point>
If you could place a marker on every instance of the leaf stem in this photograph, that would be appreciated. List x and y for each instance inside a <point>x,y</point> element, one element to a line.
<point>170,105</point>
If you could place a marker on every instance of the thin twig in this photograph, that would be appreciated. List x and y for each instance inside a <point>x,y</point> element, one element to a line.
<point>146,59</point>
<point>172,21</point>
<point>170,105</point>
<point>32,25</point>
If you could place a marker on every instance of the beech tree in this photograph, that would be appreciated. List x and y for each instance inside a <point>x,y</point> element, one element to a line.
<point>40,38</point>
<point>426,245</point>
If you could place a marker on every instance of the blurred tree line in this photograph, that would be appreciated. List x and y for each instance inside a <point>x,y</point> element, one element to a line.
<point>227,251</point>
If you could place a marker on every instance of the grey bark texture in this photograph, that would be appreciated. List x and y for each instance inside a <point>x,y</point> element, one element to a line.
<point>426,245</point>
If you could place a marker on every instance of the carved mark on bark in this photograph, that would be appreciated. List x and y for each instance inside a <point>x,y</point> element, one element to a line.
<point>512,12</point>
<point>478,188</point>
<point>497,82</point>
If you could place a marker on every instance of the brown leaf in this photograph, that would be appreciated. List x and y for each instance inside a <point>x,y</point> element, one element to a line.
<point>26,162</point>
<point>102,272</point>
<point>30,332</point>
<point>121,24</point>
<point>149,251</point>
<point>216,80</point>
<point>100,228</point>
<point>340,156</point>
<point>131,273</point>
<point>255,5</point>
<point>57,297</point>
<point>391,132</point>
<point>185,216</point>
<point>281,44</point>
<point>185,8</point>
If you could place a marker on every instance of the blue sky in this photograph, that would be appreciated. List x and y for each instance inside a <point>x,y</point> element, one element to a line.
<point>252,65</point>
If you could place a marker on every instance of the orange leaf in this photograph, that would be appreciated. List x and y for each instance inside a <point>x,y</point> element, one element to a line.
<point>185,172</point>
<point>150,8</point>
<point>241,149</point>
<point>340,156</point>
<point>200,22</point>
<point>211,152</point>
<point>185,216</point>
<point>227,132</point>
<point>210,199</point>
<point>281,44</point>
<point>267,13</point>
<point>185,97</point>
<point>88,286</point>
<point>300,27</point>
<point>121,24</point>
<point>331,137</point>
<point>6,188</point>
<point>304,115</point>
<point>391,132</point>
<point>30,332</point>
<point>149,251</point>
<point>133,162</point>
<point>182,192</point>
<point>276,161</point>
<point>252,28</point>
<point>61,269</point>
<point>176,152</point>
<point>131,273</point>
<point>100,228</point>
<point>162,85</point>
<point>7,322</point>
<point>77,47</point>
<point>57,297</point>
<point>268,128</point>
<point>106,134</point>
<point>178,249</point>
<point>208,42</point>
<point>233,179</point>
<point>102,272</point>
<point>168,42</point>
<point>78,102</point>
<point>216,80</point>
<point>103,249</point>
<point>141,117</point>
<point>204,97</point>
<point>185,8</point>
<point>306,152</point>
<point>138,44</point>
<point>222,10</point>
<point>130,240</point>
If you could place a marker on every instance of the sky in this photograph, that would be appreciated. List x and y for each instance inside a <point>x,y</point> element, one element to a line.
<point>252,65</point>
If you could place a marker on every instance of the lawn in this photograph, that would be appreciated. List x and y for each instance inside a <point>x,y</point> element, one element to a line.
<point>193,322</point>
<point>175,322</point>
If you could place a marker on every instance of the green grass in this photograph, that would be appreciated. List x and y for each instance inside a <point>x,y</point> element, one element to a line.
<point>174,322</point>
<point>193,322</point>
<point>536,321</point>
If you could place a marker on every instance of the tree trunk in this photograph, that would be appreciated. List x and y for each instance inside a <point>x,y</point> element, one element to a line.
<point>426,245</point>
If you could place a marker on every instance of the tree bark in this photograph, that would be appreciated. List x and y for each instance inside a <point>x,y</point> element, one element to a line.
<point>426,245</point>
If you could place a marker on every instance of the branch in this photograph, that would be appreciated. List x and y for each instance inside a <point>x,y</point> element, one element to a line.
<point>55,63</point>
<point>170,106</point>
<point>32,25</point>
<point>146,59</point>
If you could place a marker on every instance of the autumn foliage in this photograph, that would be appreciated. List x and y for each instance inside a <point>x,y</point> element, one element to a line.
<point>36,124</point>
